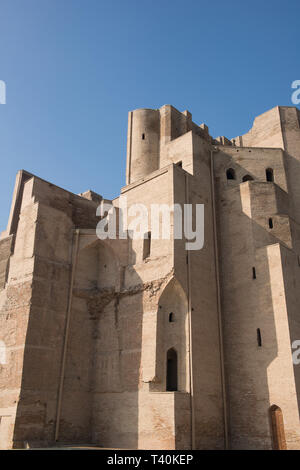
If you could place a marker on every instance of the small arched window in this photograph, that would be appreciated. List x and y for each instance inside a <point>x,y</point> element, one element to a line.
<point>247,178</point>
<point>171,317</point>
<point>230,173</point>
<point>269,175</point>
<point>172,371</point>
<point>270,222</point>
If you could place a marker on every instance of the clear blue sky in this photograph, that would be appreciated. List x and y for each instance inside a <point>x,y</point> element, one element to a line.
<point>74,68</point>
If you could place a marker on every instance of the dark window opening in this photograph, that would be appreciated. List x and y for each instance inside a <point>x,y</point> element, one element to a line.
<point>230,173</point>
<point>247,178</point>
<point>172,371</point>
<point>143,136</point>
<point>253,273</point>
<point>147,245</point>
<point>259,340</point>
<point>270,222</point>
<point>269,175</point>
<point>171,317</point>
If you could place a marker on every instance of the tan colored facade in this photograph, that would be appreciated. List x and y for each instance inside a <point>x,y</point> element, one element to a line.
<point>86,323</point>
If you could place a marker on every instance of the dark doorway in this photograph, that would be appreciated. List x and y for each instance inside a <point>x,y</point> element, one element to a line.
<point>230,173</point>
<point>172,370</point>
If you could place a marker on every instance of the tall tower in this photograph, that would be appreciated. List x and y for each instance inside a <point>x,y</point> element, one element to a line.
<point>143,143</point>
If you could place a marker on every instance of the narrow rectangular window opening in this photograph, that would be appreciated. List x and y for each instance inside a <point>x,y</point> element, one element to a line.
<point>143,136</point>
<point>269,175</point>
<point>259,340</point>
<point>270,222</point>
<point>171,317</point>
<point>253,273</point>
<point>147,245</point>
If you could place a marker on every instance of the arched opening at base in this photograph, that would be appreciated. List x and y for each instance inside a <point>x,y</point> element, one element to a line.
<point>277,428</point>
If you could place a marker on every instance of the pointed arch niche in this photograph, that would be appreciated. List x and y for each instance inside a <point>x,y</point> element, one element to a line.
<point>171,361</point>
<point>97,265</point>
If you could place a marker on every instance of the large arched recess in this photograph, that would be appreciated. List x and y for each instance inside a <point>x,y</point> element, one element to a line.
<point>172,332</point>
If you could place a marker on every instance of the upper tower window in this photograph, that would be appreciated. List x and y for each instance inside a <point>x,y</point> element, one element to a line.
<point>269,175</point>
<point>171,317</point>
<point>230,173</point>
<point>143,136</point>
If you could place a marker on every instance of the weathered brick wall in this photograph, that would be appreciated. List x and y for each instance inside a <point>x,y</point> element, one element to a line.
<point>33,310</point>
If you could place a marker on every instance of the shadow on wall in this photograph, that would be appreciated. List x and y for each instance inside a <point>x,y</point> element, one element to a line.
<point>102,374</point>
<point>252,309</point>
<point>108,319</point>
<point>100,402</point>
<point>100,386</point>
